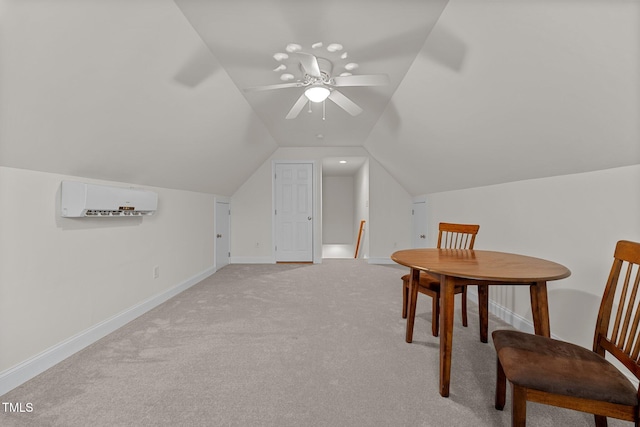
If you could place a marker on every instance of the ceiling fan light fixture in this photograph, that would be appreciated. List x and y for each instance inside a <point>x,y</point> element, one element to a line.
<point>317,93</point>
<point>316,79</point>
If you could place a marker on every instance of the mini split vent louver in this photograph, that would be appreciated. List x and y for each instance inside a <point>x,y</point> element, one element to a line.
<point>79,199</point>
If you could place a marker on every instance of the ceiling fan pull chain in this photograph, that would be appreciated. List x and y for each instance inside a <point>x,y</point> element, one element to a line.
<point>323,108</point>
<point>310,107</point>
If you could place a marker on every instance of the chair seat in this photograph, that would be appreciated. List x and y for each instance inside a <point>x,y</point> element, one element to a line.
<point>450,236</point>
<point>427,281</point>
<point>570,370</point>
<point>430,285</point>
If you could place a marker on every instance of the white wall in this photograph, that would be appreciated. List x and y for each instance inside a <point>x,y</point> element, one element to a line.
<point>252,205</point>
<point>60,277</point>
<point>389,214</point>
<point>337,209</point>
<point>575,220</point>
<point>251,226</point>
<point>252,211</point>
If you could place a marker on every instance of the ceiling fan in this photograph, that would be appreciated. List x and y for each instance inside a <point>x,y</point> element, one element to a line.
<point>320,84</point>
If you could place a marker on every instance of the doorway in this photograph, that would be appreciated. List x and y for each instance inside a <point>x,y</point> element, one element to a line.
<point>345,203</point>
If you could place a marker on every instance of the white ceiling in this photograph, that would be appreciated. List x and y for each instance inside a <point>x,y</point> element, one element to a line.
<point>342,166</point>
<point>244,36</point>
<point>482,91</point>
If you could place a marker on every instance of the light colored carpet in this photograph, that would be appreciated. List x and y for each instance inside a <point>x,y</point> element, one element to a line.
<point>278,345</point>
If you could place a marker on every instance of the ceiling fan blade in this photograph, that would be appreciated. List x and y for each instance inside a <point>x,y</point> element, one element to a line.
<point>309,64</point>
<point>271,87</point>
<point>345,103</point>
<point>200,66</point>
<point>362,80</point>
<point>297,107</point>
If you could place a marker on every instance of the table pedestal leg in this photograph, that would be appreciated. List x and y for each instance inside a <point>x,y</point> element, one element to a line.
<point>447,288</point>
<point>413,299</point>
<point>483,309</point>
<point>540,308</point>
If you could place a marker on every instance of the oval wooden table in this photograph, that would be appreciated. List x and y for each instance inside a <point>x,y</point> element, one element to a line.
<point>481,268</point>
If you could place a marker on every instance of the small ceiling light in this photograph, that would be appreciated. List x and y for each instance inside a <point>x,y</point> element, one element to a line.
<point>286,77</point>
<point>280,56</point>
<point>316,45</point>
<point>334,47</point>
<point>293,47</point>
<point>351,66</point>
<point>320,136</point>
<point>345,74</point>
<point>344,55</point>
<point>280,67</point>
<point>343,161</point>
<point>317,93</point>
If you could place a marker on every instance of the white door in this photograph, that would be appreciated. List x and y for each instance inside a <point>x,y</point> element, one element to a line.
<point>293,212</point>
<point>419,224</point>
<point>222,234</point>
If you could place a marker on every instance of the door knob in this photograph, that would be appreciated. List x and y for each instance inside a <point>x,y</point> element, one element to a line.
<point>422,236</point>
<point>219,236</point>
<point>309,218</point>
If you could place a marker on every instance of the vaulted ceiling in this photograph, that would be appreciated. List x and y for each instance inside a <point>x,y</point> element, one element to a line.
<point>245,35</point>
<point>481,91</point>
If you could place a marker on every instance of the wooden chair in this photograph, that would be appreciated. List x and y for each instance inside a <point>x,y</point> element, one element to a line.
<point>561,374</point>
<point>450,236</point>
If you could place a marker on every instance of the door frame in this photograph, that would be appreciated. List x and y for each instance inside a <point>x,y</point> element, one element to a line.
<point>217,200</point>
<point>420,200</point>
<point>316,253</point>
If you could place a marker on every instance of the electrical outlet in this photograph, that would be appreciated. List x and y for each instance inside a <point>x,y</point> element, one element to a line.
<point>156,272</point>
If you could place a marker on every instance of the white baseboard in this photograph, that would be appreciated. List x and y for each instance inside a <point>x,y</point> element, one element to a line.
<point>505,314</point>
<point>24,371</point>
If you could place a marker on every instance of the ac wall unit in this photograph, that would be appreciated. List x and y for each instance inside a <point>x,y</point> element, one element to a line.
<point>79,199</point>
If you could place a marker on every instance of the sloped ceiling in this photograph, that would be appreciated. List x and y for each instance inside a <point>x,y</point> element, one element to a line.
<point>380,36</point>
<point>482,91</point>
<point>544,89</point>
<point>92,89</point>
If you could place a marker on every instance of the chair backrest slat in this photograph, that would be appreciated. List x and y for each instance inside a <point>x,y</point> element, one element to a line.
<point>635,350</point>
<point>621,340</point>
<point>619,313</point>
<point>632,335</point>
<point>457,236</point>
<point>625,308</point>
